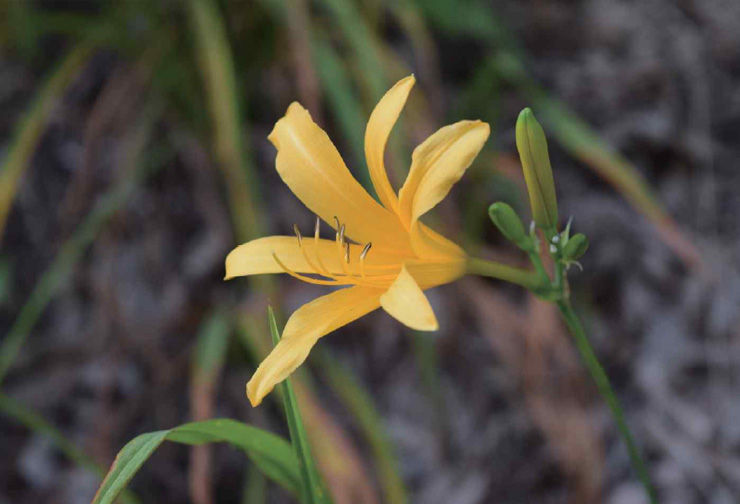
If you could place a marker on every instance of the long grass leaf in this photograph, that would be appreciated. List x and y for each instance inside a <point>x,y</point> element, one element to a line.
<point>70,253</point>
<point>219,78</point>
<point>29,129</point>
<point>343,102</point>
<point>273,454</point>
<point>39,425</point>
<point>360,405</point>
<point>208,361</point>
<point>313,488</point>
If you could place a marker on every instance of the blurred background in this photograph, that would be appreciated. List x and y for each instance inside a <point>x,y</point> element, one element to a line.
<point>134,157</point>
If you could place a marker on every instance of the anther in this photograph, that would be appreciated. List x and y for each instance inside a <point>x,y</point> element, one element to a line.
<point>298,234</point>
<point>341,234</point>
<point>346,252</point>
<point>363,254</point>
<point>365,250</point>
<point>317,228</point>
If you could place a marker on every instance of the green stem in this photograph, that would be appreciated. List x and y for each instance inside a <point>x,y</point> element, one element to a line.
<point>482,267</point>
<point>536,260</point>
<point>602,382</point>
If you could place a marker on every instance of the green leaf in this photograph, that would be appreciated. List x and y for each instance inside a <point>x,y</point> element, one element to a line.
<point>269,452</point>
<point>313,489</point>
<point>35,422</point>
<point>127,464</point>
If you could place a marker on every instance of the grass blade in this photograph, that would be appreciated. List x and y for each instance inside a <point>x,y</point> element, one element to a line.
<point>271,453</point>
<point>71,252</point>
<point>343,102</point>
<point>313,489</point>
<point>360,405</point>
<point>208,361</point>
<point>219,79</point>
<point>37,424</point>
<point>337,455</point>
<point>32,125</point>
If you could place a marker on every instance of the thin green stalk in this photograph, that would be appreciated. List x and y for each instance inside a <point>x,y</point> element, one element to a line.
<point>255,486</point>
<point>360,405</point>
<point>602,382</point>
<point>527,279</point>
<point>534,257</point>
<point>313,488</point>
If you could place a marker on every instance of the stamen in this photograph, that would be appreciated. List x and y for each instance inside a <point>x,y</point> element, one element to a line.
<point>336,220</point>
<point>336,279</point>
<point>363,254</point>
<point>321,269</point>
<point>365,250</point>
<point>304,278</point>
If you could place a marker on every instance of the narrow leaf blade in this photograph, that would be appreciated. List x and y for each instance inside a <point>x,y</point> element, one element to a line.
<point>313,489</point>
<point>273,455</point>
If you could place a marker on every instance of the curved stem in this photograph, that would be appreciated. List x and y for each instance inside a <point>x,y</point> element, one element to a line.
<point>534,257</point>
<point>602,382</point>
<point>482,267</point>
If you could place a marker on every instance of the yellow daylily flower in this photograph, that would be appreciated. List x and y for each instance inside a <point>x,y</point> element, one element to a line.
<point>382,253</point>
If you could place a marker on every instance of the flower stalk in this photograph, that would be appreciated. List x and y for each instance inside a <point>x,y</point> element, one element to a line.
<point>602,382</point>
<point>528,279</point>
<point>563,250</point>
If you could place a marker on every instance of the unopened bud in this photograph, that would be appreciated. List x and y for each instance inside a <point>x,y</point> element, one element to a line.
<point>532,146</point>
<point>576,247</point>
<point>509,223</point>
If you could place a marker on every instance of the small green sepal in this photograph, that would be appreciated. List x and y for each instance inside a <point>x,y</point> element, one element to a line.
<point>575,247</point>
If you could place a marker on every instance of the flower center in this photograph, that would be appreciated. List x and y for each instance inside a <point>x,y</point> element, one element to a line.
<point>368,276</point>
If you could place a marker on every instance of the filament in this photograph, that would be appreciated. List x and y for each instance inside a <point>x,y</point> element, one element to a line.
<point>344,252</point>
<point>304,278</point>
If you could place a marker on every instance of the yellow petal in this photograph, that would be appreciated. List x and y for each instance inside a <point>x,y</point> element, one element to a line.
<point>429,245</point>
<point>437,164</point>
<point>255,257</point>
<point>310,165</point>
<point>430,274</point>
<point>405,301</point>
<point>304,328</point>
<point>378,130</point>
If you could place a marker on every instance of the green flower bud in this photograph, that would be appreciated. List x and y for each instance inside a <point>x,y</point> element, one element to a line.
<point>509,223</point>
<point>576,247</point>
<point>532,146</point>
